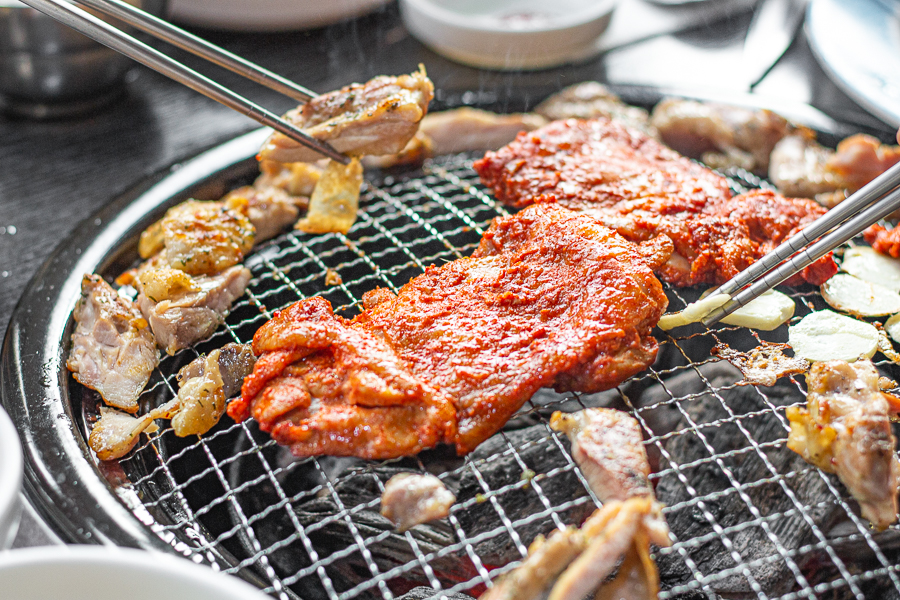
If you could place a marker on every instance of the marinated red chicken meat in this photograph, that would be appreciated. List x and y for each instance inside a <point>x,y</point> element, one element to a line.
<point>113,350</point>
<point>376,117</point>
<point>550,298</point>
<point>884,240</point>
<point>846,429</point>
<point>635,185</point>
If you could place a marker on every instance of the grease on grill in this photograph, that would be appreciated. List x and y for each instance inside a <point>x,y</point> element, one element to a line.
<point>763,365</point>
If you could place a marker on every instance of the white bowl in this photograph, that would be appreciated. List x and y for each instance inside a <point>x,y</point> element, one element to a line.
<point>109,573</point>
<point>10,481</point>
<point>509,34</point>
<point>267,15</point>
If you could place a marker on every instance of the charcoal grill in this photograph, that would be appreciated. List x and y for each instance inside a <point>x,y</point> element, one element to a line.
<point>233,500</point>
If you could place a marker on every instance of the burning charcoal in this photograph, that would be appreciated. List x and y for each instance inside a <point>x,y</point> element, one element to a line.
<point>715,417</point>
<point>495,461</point>
<point>427,593</point>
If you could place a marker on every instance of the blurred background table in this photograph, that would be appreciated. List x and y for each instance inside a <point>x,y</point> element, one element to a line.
<point>57,173</point>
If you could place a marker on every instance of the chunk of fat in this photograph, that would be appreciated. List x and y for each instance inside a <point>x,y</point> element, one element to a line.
<point>855,296</point>
<point>827,335</point>
<point>869,265</point>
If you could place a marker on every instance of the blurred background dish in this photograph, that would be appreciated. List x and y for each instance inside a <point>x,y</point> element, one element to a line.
<point>268,15</point>
<point>509,34</point>
<point>857,42</point>
<point>10,480</point>
<point>48,70</point>
<point>108,573</point>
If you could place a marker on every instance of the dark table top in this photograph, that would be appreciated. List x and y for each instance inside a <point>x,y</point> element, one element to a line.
<point>54,174</point>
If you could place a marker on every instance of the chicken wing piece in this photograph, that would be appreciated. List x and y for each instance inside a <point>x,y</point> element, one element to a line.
<point>635,185</point>
<point>845,429</point>
<point>719,134</point>
<point>549,296</point>
<point>113,350</point>
<point>376,117</point>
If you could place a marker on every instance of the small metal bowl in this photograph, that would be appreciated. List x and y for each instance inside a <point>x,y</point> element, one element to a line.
<point>49,70</point>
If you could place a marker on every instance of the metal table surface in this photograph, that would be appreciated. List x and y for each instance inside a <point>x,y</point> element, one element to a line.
<point>54,174</point>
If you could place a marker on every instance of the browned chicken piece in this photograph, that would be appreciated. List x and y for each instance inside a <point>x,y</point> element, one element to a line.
<point>376,117</point>
<point>410,499</point>
<point>608,447</point>
<point>205,384</point>
<point>297,179</point>
<point>200,237</point>
<point>846,429</point>
<point>550,298</point>
<point>591,99</point>
<point>113,351</point>
<point>578,561</point>
<point>186,315</point>
<point>334,203</point>
<point>117,432</point>
<point>800,166</point>
<point>270,210</point>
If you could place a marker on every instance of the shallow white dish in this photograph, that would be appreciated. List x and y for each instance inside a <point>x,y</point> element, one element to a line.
<point>109,573</point>
<point>10,481</point>
<point>857,42</point>
<point>509,34</point>
<point>267,15</point>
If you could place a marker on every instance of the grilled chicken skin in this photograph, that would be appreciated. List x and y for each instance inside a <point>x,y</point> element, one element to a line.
<point>376,117</point>
<point>845,429</point>
<point>113,350</point>
<point>550,298</point>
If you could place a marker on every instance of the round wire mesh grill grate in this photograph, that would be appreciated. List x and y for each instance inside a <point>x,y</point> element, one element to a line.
<point>749,518</point>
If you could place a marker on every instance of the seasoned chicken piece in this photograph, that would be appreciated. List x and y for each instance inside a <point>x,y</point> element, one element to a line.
<point>591,99</point>
<point>113,350</point>
<point>410,499</point>
<point>550,298</point>
<point>297,179</point>
<point>199,237</point>
<point>608,448</point>
<point>376,117</point>
<point>184,317</point>
<point>846,429</point>
<point>800,166</point>
<point>797,167</point>
<point>335,201</point>
<point>884,240</point>
<point>580,560</point>
<point>116,433</point>
<point>640,188</point>
<point>459,130</point>
<point>718,134</point>
<point>270,210</point>
<point>470,129</point>
<point>204,385</point>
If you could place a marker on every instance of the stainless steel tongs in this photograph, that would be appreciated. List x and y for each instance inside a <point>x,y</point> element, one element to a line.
<point>878,199</point>
<point>108,35</point>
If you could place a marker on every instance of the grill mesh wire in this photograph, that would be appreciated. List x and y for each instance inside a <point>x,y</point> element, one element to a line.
<point>195,491</point>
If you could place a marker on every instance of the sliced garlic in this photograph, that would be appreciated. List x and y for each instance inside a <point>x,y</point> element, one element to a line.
<point>868,265</point>
<point>851,294</point>
<point>826,335</point>
<point>693,312</point>
<point>892,326</point>
<point>768,312</point>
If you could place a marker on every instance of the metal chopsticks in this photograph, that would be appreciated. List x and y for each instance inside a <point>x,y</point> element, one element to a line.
<point>108,35</point>
<point>876,200</point>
